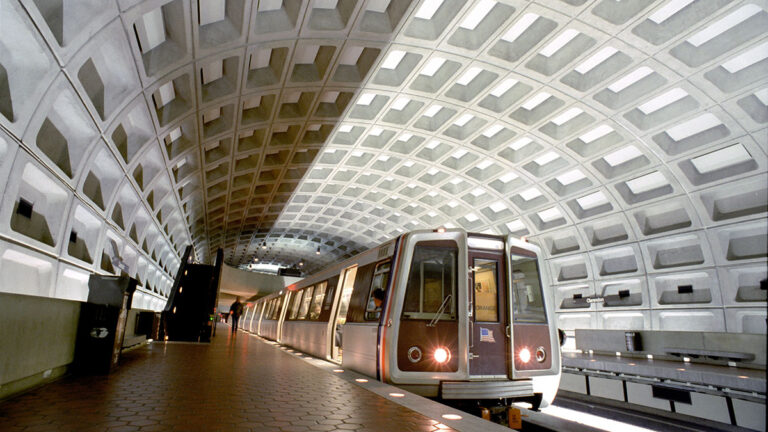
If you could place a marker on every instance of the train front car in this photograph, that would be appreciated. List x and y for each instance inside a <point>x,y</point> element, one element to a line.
<point>468,320</point>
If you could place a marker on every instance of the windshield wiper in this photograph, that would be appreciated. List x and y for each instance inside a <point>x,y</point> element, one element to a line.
<point>439,312</point>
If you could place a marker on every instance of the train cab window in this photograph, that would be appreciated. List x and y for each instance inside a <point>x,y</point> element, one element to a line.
<point>295,303</point>
<point>486,291</point>
<point>432,280</point>
<point>379,282</point>
<point>528,303</point>
<point>317,301</point>
<point>305,301</point>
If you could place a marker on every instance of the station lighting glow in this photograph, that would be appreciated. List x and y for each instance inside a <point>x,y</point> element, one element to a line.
<point>451,416</point>
<point>524,355</point>
<point>442,355</point>
<point>591,420</point>
<point>361,380</point>
<point>397,395</point>
<point>338,370</point>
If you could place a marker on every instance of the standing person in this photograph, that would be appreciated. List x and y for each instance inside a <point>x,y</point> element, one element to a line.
<point>235,310</point>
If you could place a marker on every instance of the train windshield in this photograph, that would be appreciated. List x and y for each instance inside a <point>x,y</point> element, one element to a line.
<point>528,302</point>
<point>431,290</point>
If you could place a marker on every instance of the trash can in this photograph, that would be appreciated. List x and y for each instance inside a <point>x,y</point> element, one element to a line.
<point>101,327</point>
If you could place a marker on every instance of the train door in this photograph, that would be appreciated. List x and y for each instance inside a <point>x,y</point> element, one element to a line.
<point>346,284</point>
<point>534,341</point>
<point>489,325</point>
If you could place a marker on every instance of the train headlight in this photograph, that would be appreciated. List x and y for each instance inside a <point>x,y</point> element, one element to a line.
<point>541,355</point>
<point>414,354</point>
<point>524,355</point>
<point>442,355</point>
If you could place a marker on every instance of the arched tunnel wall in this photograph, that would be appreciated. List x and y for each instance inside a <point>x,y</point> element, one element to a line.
<point>634,153</point>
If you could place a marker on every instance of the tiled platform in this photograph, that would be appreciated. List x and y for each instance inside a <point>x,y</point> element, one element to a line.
<point>237,383</point>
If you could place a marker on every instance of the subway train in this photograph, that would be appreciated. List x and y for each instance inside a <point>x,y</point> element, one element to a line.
<point>444,313</point>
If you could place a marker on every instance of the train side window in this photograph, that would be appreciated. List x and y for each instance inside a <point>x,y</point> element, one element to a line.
<point>528,300</point>
<point>330,294</point>
<point>295,302</point>
<point>486,292</point>
<point>278,308</point>
<point>432,281</point>
<point>380,280</point>
<point>305,301</point>
<point>317,301</point>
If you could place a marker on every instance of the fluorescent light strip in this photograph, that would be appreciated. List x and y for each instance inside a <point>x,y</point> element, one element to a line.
<point>520,27</point>
<point>515,225</point>
<point>366,99</point>
<point>503,87</point>
<point>522,142</point>
<point>596,60</point>
<point>669,10</point>
<point>530,194</point>
<point>663,100</point>
<point>596,133</point>
<point>498,206</point>
<point>376,131</point>
<point>546,158</point>
<point>622,155</point>
<point>571,177</point>
<point>471,217</point>
<point>469,75</point>
<point>747,58</point>
<point>536,101</point>
<point>393,59</point>
<point>720,159</point>
<point>484,164</point>
<point>433,65</point>
<point>721,26</point>
<point>432,111</point>
<point>559,42</point>
<point>647,183</point>
<point>508,177</point>
<point>591,201</point>
<point>477,14</point>
<point>400,103</point>
<point>692,127</point>
<point>428,9</point>
<point>458,154</point>
<point>549,214</point>
<point>463,120</point>
<point>491,131</point>
<point>631,78</point>
<point>567,116</point>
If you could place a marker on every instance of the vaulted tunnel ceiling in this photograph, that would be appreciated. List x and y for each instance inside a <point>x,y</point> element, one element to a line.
<point>596,126</point>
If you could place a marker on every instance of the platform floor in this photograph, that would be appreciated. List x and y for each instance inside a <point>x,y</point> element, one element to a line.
<point>236,383</point>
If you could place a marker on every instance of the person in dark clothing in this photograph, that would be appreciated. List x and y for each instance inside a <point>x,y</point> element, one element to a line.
<point>236,310</point>
<point>378,298</point>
